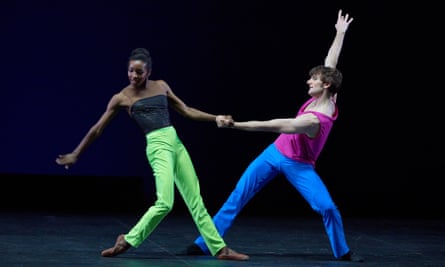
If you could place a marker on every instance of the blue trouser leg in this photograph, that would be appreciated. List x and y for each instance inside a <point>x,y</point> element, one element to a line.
<point>302,176</point>
<point>261,171</point>
<point>305,179</point>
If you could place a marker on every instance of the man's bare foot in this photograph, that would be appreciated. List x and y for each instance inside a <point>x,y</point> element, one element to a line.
<point>119,247</point>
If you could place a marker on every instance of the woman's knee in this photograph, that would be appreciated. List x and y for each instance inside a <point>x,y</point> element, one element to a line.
<point>164,207</point>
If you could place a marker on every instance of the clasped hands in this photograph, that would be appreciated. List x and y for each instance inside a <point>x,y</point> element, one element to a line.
<point>224,121</point>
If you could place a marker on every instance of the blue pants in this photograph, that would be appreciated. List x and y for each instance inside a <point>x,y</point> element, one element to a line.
<point>302,176</point>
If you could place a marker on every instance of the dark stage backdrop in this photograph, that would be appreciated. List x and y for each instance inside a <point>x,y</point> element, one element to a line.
<point>61,61</point>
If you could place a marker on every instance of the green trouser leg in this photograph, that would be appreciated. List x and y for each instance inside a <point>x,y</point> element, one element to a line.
<point>171,165</point>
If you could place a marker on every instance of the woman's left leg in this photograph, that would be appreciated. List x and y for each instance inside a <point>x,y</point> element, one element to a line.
<point>188,186</point>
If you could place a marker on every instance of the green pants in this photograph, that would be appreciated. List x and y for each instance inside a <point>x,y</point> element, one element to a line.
<point>171,164</point>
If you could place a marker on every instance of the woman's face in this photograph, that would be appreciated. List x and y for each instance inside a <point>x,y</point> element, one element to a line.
<point>137,72</point>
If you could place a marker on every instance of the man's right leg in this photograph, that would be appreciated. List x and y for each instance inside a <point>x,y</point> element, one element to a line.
<point>261,171</point>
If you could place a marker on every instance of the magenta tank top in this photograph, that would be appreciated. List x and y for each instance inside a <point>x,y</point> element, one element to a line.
<point>302,148</point>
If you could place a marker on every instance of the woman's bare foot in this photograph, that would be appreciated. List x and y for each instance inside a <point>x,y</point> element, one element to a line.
<point>227,253</point>
<point>119,247</point>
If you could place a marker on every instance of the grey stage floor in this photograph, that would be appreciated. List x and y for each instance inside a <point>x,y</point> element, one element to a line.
<point>75,239</point>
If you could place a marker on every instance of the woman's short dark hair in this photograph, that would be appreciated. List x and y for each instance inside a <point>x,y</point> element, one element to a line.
<point>141,54</point>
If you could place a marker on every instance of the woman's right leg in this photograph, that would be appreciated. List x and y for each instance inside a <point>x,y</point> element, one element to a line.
<point>160,154</point>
